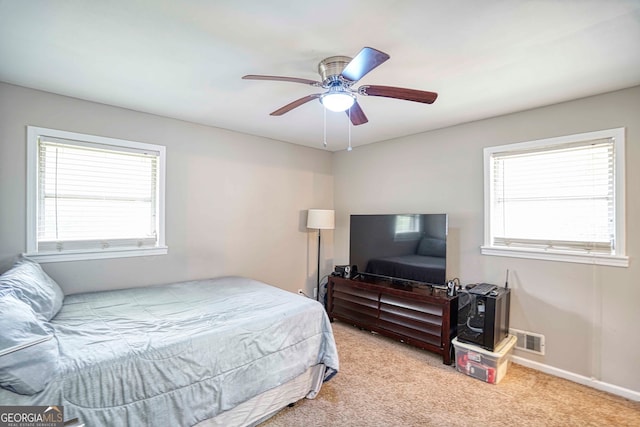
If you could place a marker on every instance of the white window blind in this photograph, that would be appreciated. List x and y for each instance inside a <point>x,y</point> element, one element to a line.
<point>95,197</point>
<point>558,197</point>
<point>94,194</point>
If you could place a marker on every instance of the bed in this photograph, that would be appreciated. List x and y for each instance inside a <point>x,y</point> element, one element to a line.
<point>224,351</point>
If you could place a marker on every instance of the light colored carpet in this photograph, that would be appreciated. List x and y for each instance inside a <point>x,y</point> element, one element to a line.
<point>386,383</point>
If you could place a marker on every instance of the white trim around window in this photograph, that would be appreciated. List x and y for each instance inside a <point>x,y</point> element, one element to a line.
<point>69,219</point>
<point>505,232</point>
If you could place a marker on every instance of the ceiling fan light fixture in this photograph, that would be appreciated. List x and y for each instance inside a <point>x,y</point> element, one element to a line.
<point>338,101</point>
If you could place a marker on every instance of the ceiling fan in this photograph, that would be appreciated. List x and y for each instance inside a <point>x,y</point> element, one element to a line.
<point>339,74</point>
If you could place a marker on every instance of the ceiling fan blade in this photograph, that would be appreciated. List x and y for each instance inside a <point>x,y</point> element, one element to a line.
<point>356,114</point>
<point>295,104</point>
<point>366,60</point>
<point>283,79</point>
<point>399,93</point>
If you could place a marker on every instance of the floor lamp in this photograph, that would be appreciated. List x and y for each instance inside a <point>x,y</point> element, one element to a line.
<point>320,219</point>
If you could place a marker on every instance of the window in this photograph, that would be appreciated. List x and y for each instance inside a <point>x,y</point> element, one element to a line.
<point>560,199</point>
<point>93,197</point>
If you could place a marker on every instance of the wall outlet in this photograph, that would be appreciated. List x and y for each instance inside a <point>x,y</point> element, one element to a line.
<point>315,293</point>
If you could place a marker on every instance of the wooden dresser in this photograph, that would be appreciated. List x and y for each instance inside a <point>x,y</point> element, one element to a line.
<point>419,315</point>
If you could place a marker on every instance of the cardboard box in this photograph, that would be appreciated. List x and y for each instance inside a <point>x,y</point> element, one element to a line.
<point>485,365</point>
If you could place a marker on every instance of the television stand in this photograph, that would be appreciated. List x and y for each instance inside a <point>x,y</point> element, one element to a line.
<point>419,315</point>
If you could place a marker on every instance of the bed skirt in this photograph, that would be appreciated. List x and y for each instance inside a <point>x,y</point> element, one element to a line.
<point>265,405</point>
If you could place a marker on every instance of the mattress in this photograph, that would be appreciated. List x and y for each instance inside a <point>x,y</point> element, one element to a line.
<point>182,353</point>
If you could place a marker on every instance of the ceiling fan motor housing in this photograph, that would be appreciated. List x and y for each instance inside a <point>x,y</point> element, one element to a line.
<point>331,68</point>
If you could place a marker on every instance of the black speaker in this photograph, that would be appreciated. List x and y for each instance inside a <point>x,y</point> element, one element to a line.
<point>353,272</point>
<point>346,271</point>
<point>483,319</point>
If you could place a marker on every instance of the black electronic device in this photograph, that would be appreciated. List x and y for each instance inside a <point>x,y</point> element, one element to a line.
<point>482,289</point>
<point>346,271</point>
<point>483,315</point>
<point>340,270</point>
<point>400,247</point>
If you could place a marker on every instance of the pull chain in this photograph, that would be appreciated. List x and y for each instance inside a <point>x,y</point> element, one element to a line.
<point>349,126</point>
<point>324,141</point>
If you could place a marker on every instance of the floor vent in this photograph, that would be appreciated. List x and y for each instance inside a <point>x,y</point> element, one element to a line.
<point>528,341</point>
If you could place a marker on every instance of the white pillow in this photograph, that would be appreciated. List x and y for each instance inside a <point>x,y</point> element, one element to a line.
<point>32,285</point>
<point>29,352</point>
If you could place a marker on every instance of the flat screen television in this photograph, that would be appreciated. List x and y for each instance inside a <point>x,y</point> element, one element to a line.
<point>400,247</point>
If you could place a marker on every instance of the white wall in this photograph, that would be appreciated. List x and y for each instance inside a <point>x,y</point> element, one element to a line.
<point>588,314</point>
<point>235,203</point>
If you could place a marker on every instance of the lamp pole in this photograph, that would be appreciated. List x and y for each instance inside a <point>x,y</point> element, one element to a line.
<point>319,219</point>
<point>318,281</point>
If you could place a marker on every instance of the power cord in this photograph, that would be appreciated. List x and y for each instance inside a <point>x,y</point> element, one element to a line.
<point>323,279</point>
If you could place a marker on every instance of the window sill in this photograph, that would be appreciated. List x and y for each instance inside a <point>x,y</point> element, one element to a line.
<point>610,260</point>
<point>44,257</point>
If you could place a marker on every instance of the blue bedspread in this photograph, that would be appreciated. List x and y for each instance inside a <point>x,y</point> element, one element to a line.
<point>180,353</point>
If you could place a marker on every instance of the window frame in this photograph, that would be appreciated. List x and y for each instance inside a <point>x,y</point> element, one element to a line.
<point>33,135</point>
<point>619,259</point>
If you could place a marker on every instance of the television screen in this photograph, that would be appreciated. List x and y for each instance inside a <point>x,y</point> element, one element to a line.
<point>411,247</point>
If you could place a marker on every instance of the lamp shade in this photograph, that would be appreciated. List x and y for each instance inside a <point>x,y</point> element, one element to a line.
<point>321,219</point>
<point>338,101</point>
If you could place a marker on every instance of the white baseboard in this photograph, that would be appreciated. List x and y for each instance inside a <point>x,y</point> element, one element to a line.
<point>589,382</point>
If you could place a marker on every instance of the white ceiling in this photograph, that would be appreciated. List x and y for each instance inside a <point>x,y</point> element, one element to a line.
<point>185,59</point>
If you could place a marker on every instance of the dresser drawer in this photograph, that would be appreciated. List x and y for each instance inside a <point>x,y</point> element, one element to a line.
<point>421,331</point>
<point>342,291</point>
<point>359,313</point>
<point>405,304</point>
<point>352,303</point>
